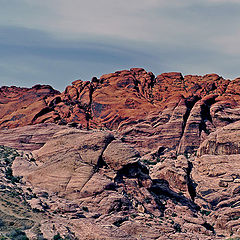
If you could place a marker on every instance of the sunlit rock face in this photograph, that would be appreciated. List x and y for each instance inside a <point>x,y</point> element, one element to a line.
<point>169,110</point>
<point>126,156</point>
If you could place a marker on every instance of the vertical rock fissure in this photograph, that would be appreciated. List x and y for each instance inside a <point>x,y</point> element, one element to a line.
<point>206,116</point>
<point>88,112</point>
<point>189,103</point>
<point>190,183</point>
<point>101,163</point>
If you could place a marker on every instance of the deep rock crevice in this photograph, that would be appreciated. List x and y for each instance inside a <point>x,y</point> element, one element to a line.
<point>190,183</point>
<point>206,115</point>
<point>101,163</point>
<point>189,103</point>
<point>160,188</point>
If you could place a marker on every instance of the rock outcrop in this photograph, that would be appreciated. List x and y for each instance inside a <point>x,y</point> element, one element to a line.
<point>216,174</point>
<point>169,111</point>
<point>91,178</point>
<point>20,106</point>
<point>125,156</point>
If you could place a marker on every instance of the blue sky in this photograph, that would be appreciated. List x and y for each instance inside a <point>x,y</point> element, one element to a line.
<point>58,41</point>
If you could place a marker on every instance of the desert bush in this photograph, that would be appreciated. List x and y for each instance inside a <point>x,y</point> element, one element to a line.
<point>57,237</point>
<point>17,234</point>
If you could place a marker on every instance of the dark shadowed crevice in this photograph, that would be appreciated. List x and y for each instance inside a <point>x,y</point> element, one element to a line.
<point>140,173</point>
<point>88,110</point>
<point>209,227</point>
<point>189,103</point>
<point>205,115</point>
<point>190,183</point>
<point>118,222</point>
<point>160,189</point>
<point>54,102</point>
<point>132,170</point>
<point>101,163</point>
<point>42,112</point>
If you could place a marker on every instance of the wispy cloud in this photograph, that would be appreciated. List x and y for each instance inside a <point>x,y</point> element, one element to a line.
<point>56,41</point>
<point>32,56</point>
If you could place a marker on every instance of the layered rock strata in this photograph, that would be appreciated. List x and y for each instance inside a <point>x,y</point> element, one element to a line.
<point>169,111</point>
<point>127,156</point>
<point>92,184</point>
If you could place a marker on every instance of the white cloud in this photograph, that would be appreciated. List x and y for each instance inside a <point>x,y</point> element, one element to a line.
<point>150,21</point>
<point>173,32</point>
<point>136,20</point>
<point>223,1</point>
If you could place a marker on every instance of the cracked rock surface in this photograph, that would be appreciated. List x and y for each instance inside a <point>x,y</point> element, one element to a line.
<point>125,156</point>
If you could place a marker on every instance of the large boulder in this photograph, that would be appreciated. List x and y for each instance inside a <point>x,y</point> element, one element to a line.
<point>68,161</point>
<point>216,173</point>
<point>224,141</point>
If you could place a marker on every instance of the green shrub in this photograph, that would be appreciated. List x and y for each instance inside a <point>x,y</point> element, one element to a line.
<point>9,176</point>
<point>57,237</point>
<point>205,212</point>
<point>177,227</point>
<point>17,234</point>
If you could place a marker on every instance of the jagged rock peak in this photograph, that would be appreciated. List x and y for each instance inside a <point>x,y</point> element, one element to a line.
<point>171,109</point>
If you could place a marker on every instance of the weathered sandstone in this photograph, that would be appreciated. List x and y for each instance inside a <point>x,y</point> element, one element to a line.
<point>125,156</point>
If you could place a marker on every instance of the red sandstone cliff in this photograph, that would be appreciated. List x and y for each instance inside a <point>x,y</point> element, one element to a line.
<point>160,159</point>
<point>169,110</point>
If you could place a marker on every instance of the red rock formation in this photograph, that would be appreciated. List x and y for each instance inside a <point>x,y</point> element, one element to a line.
<point>21,106</point>
<point>146,169</point>
<point>87,183</point>
<point>169,110</point>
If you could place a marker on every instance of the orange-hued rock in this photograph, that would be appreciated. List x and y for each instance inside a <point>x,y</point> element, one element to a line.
<point>169,111</point>
<point>90,182</point>
<point>127,156</point>
<point>21,106</point>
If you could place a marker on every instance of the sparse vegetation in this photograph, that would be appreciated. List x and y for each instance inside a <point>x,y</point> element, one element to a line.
<point>7,156</point>
<point>17,234</point>
<point>236,218</point>
<point>15,213</point>
<point>85,209</point>
<point>57,237</point>
<point>147,200</point>
<point>205,212</point>
<point>236,238</point>
<point>177,227</point>
<point>9,176</point>
<point>148,162</point>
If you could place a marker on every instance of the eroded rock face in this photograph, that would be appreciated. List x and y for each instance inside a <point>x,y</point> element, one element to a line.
<point>224,141</point>
<point>169,110</point>
<point>91,178</point>
<point>216,173</point>
<point>165,164</point>
<point>121,151</point>
<point>68,161</point>
<point>217,182</point>
<point>175,171</point>
<point>21,106</point>
<point>30,137</point>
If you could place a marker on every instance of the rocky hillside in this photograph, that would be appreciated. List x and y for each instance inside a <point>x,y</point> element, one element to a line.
<point>126,156</point>
<point>168,110</point>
